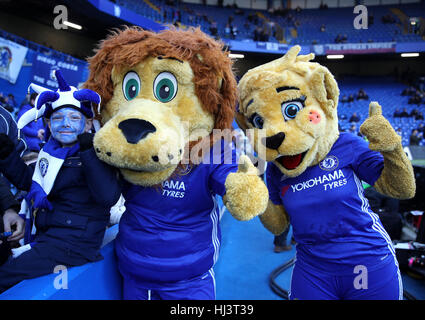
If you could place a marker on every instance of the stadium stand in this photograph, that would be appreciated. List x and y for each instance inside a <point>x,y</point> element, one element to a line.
<point>338,21</point>
<point>386,23</point>
<point>388,93</point>
<point>385,90</point>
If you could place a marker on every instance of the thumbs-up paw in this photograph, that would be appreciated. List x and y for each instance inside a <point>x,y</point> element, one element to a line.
<point>382,137</point>
<point>246,166</point>
<point>246,194</point>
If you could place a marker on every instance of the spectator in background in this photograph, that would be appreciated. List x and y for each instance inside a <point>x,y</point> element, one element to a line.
<point>8,126</point>
<point>338,39</point>
<point>26,100</point>
<point>341,38</point>
<point>399,132</point>
<point>388,18</point>
<point>35,131</point>
<point>414,112</point>
<point>354,118</point>
<point>281,242</point>
<point>404,113</point>
<point>323,6</point>
<point>2,99</point>
<point>408,91</point>
<point>419,116</point>
<point>353,129</point>
<point>257,33</point>
<point>264,36</point>
<point>351,98</point>
<point>10,100</point>
<point>415,138</point>
<point>4,103</point>
<point>234,32</point>
<point>397,113</point>
<point>421,129</point>
<point>247,26</point>
<point>416,98</point>
<point>361,95</point>
<point>227,31</point>
<point>213,29</point>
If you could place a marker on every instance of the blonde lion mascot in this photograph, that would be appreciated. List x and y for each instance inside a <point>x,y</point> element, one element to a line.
<point>315,175</point>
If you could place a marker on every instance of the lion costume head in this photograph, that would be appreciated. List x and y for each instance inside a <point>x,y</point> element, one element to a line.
<point>291,104</point>
<point>161,92</point>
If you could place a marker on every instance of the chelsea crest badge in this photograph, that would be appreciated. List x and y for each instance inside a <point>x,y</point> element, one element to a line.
<point>43,166</point>
<point>329,163</point>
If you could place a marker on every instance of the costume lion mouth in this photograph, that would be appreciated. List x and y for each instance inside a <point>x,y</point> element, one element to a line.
<point>291,162</point>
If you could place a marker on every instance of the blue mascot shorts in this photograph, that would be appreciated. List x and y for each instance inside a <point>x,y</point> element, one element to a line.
<point>199,288</point>
<point>381,284</point>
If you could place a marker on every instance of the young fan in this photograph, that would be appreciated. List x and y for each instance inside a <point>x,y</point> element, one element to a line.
<point>70,189</point>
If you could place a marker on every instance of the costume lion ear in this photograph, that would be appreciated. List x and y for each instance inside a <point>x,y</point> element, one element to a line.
<point>282,63</point>
<point>325,89</point>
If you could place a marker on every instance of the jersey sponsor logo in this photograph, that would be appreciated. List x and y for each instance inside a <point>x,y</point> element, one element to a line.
<point>328,181</point>
<point>329,163</point>
<point>43,166</point>
<point>173,189</point>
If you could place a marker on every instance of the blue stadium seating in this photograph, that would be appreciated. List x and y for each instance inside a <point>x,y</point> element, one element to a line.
<point>388,93</point>
<point>307,22</point>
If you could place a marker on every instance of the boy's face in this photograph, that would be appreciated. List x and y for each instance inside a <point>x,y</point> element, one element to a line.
<point>66,124</point>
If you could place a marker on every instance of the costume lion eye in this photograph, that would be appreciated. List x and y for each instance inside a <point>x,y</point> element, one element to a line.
<point>290,109</point>
<point>131,85</point>
<point>165,87</point>
<point>257,121</point>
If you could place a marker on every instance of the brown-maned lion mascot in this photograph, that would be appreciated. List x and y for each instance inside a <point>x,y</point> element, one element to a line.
<point>163,96</point>
<point>314,176</point>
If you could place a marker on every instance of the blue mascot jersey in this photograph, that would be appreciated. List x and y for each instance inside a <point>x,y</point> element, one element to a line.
<point>171,232</point>
<point>332,222</point>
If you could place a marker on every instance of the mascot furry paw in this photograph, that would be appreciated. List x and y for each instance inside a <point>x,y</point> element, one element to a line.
<point>163,96</point>
<point>314,175</point>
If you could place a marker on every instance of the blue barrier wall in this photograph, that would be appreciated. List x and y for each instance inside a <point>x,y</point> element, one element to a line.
<point>95,281</point>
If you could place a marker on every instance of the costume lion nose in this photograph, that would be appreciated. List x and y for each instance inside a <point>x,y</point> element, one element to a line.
<point>275,141</point>
<point>135,130</point>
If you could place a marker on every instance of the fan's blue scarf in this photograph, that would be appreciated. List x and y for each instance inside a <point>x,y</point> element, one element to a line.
<point>49,163</point>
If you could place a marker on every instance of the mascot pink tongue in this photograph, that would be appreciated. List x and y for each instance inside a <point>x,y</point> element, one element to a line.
<point>291,162</point>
